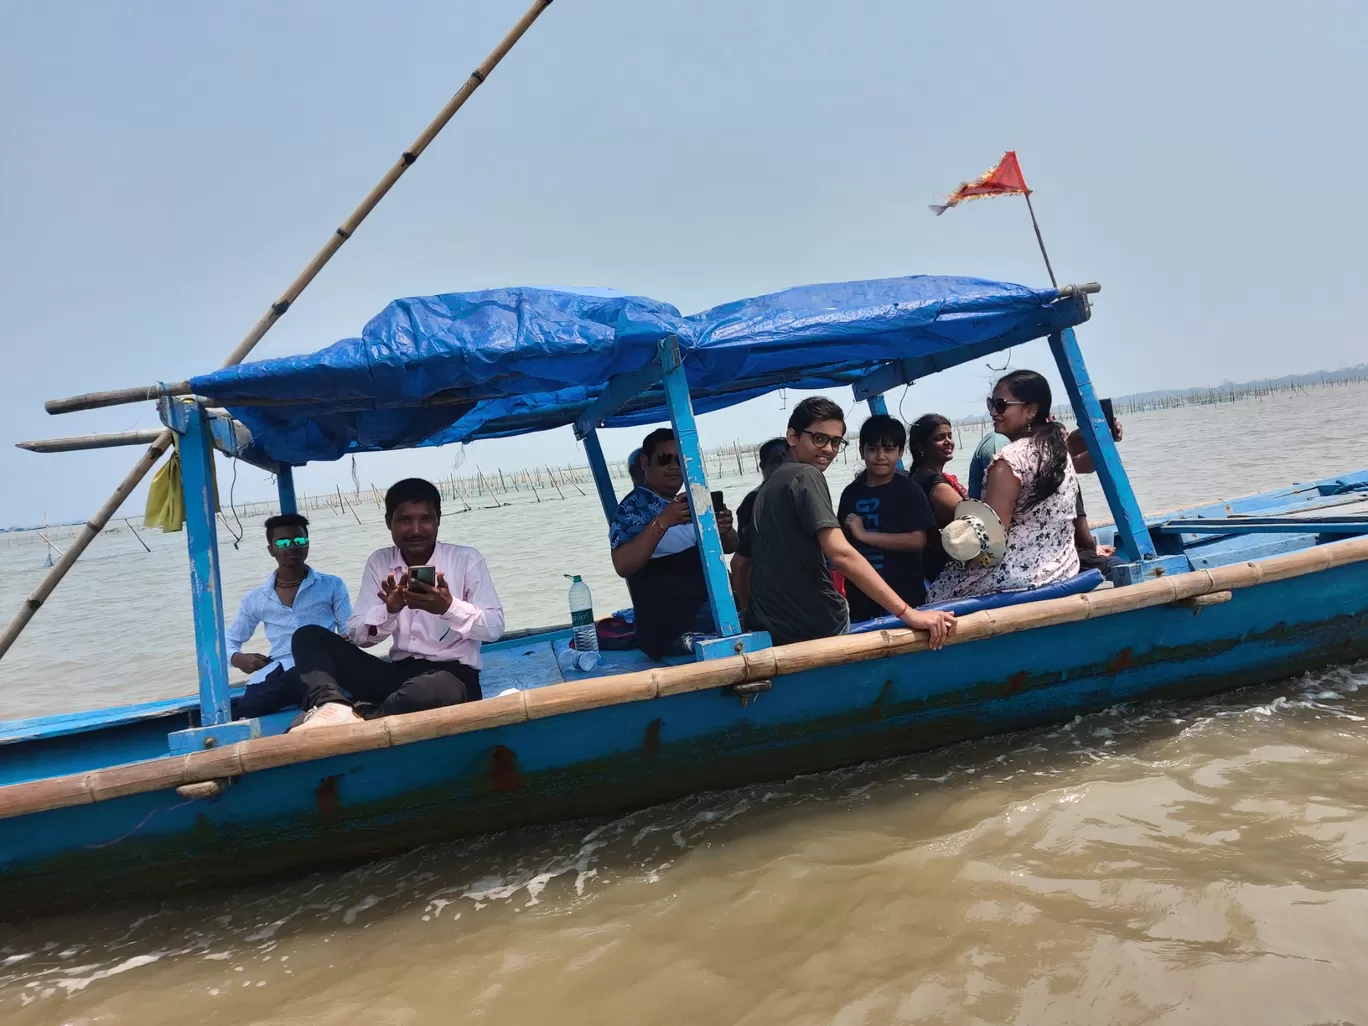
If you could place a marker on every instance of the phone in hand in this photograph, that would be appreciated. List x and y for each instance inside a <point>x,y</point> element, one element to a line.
<point>424,574</point>
<point>1110,414</point>
<point>718,504</point>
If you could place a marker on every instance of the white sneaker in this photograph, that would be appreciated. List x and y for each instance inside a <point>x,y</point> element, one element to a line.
<point>328,715</point>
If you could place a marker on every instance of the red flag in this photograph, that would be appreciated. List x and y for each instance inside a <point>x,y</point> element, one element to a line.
<point>1003,180</point>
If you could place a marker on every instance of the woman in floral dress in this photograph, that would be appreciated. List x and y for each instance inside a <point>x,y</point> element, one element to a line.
<point>1032,487</point>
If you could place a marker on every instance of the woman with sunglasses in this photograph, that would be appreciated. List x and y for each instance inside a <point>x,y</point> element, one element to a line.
<point>1032,488</point>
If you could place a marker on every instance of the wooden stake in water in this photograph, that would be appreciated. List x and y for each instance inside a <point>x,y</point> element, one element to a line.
<point>136,534</point>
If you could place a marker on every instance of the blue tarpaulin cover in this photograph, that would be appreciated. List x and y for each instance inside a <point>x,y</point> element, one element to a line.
<point>469,365</point>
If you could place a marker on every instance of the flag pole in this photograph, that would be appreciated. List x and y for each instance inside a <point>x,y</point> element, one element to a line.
<point>1039,240</point>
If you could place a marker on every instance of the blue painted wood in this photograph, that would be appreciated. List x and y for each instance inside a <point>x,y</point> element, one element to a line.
<point>286,489</point>
<point>598,466</point>
<point>619,391</point>
<point>206,585</point>
<point>365,804</point>
<point>726,621</point>
<point>904,372</point>
<point>725,648</point>
<point>195,739</point>
<point>1132,536</point>
<point>1265,525</point>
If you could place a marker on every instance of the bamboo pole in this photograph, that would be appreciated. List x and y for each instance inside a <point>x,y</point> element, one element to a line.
<point>51,544</point>
<point>76,443</point>
<point>290,749</point>
<point>92,528</point>
<point>97,522</point>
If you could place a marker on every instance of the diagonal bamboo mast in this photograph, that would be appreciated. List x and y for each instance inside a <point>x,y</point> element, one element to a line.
<point>277,309</point>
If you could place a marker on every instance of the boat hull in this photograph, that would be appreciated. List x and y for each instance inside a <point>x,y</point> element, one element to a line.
<point>359,805</point>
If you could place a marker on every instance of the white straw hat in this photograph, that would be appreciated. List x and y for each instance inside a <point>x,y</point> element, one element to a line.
<point>976,536</point>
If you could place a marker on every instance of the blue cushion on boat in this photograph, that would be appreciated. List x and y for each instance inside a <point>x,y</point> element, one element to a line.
<point>1076,585</point>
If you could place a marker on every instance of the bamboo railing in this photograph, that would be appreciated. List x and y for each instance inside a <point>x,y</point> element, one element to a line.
<point>267,753</point>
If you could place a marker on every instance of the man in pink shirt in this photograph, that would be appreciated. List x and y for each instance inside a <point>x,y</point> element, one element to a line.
<point>437,628</point>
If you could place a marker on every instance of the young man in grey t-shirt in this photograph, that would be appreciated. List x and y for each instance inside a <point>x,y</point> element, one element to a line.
<point>796,532</point>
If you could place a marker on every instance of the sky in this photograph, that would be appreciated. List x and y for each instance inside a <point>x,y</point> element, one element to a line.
<point>167,169</point>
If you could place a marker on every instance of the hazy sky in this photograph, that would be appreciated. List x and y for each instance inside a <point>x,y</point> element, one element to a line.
<point>166,168</point>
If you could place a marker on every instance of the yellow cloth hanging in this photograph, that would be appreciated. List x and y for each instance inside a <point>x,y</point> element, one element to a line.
<point>166,496</point>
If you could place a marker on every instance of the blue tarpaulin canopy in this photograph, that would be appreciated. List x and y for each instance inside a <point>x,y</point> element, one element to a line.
<point>469,365</point>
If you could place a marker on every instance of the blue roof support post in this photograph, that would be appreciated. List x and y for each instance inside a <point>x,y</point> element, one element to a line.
<point>726,621</point>
<point>200,491</point>
<point>603,481</point>
<point>1132,536</point>
<point>285,487</point>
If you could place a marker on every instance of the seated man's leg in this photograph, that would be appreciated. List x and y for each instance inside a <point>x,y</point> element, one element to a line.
<point>330,668</point>
<point>431,686</point>
<point>281,690</point>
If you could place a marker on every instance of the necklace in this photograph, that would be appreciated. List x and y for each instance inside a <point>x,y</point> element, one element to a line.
<point>288,584</point>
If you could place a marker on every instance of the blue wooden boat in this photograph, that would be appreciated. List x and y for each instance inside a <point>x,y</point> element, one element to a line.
<point>148,799</point>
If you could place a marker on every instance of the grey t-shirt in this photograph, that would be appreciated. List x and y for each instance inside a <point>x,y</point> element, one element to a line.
<point>792,594</point>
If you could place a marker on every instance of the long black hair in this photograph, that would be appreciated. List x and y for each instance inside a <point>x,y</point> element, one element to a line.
<point>919,433</point>
<point>1030,387</point>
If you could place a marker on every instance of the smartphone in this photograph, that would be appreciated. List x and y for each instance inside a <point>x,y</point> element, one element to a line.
<point>1110,414</point>
<point>718,504</point>
<point>426,574</point>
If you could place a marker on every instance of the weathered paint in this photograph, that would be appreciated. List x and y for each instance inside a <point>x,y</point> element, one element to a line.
<point>726,621</point>
<point>206,588</point>
<point>625,756</point>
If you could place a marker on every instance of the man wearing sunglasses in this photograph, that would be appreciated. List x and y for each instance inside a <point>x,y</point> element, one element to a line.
<point>654,549</point>
<point>294,596</point>
<point>797,532</point>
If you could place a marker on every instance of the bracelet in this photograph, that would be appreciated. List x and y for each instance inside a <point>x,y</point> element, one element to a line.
<point>663,529</point>
<point>904,609</point>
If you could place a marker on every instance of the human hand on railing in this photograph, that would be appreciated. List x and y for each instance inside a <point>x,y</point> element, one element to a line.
<point>938,624</point>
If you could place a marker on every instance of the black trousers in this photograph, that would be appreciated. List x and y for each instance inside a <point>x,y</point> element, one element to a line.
<point>330,668</point>
<point>281,690</point>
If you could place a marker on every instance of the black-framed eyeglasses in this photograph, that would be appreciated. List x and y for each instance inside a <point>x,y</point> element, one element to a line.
<point>825,441</point>
<point>297,543</point>
<point>999,406</point>
<point>666,459</point>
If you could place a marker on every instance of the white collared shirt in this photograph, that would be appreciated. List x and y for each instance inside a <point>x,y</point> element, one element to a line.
<point>321,600</point>
<point>475,616</point>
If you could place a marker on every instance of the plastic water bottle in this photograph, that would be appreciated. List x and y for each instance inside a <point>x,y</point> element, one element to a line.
<point>582,622</point>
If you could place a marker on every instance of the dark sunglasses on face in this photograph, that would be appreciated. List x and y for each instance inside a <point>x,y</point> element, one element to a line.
<point>824,441</point>
<point>667,459</point>
<point>285,543</point>
<point>999,406</point>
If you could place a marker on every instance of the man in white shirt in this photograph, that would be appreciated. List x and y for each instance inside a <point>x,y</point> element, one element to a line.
<point>437,628</point>
<point>294,596</point>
